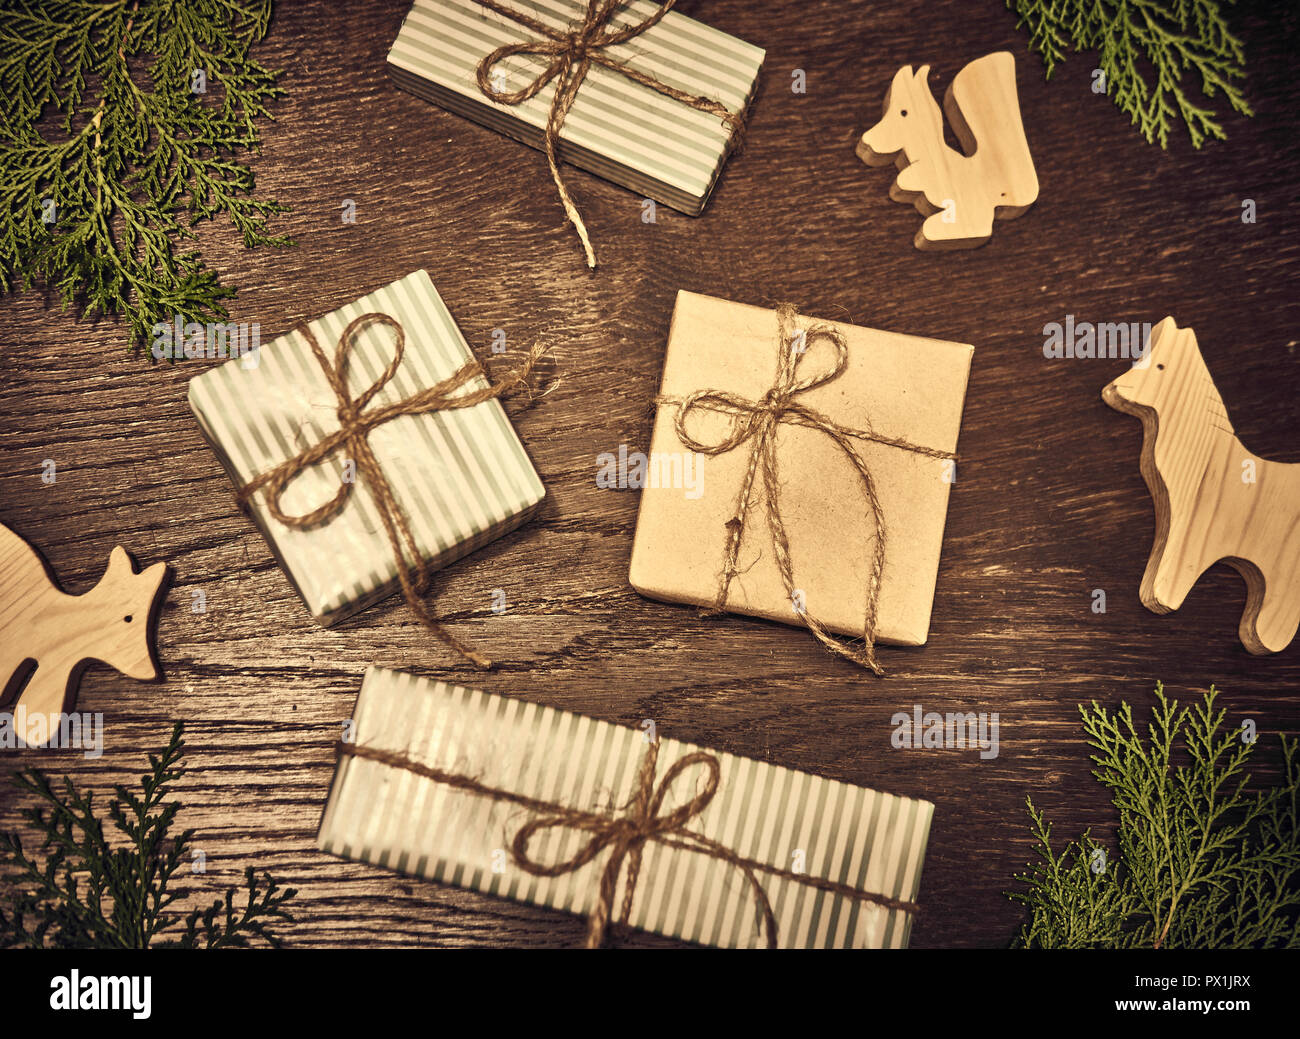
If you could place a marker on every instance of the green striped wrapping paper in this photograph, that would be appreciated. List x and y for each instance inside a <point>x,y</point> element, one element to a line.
<point>622,131</point>
<point>392,818</point>
<point>461,477</point>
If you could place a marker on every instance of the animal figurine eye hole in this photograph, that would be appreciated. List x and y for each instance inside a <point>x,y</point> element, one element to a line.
<point>127,618</point>
<point>1160,367</point>
<point>903,112</point>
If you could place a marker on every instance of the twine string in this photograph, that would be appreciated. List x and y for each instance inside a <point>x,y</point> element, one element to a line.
<point>568,56</point>
<point>625,836</point>
<point>757,422</point>
<point>356,423</point>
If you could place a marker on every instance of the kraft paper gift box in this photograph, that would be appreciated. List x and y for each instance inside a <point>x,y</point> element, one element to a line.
<point>621,130</point>
<point>461,477</point>
<point>896,385</point>
<point>383,813</point>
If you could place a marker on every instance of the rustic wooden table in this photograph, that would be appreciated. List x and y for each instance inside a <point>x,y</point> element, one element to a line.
<point>1049,505</point>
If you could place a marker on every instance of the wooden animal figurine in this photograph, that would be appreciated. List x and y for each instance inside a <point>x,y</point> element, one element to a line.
<point>959,194</point>
<point>1214,499</point>
<point>61,632</point>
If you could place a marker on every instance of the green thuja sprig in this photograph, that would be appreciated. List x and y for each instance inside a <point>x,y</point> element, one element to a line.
<point>1203,861</point>
<point>109,157</point>
<point>93,893</point>
<point>1172,41</point>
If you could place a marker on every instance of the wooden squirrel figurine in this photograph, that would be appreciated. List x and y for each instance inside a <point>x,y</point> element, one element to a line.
<point>60,632</point>
<point>959,194</point>
<point>1214,499</point>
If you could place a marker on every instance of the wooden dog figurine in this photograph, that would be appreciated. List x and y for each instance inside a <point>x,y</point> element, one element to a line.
<point>958,194</point>
<point>61,632</point>
<point>1214,499</point>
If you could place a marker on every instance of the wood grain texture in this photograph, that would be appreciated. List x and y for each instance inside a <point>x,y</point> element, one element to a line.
<point>1214,499</point>
<point>47,635</point>
<point>958,192</point>
<point>1049,504</point>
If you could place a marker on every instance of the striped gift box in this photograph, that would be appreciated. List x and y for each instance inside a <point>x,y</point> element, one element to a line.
<point>461,477</point>
<point>393,818</point>
<point>618,129</point>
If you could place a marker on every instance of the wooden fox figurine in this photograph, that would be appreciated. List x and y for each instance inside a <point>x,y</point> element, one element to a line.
<point>958,194</point>
<point>1214,499</point>
<point>60,632</point>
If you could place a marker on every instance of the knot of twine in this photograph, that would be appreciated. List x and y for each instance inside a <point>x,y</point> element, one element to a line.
<point>625,836</point>
<point>355,426</point>
<point>569,56</point>
<point>757,422</point>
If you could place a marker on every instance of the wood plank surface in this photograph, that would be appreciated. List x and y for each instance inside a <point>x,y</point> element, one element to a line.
<point>1049,503</point>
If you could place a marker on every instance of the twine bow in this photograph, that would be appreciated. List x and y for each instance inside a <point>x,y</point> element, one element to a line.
<point>757,422</point>
<point>624,837</point>
<point>569,56</point>
<point>355,425</point>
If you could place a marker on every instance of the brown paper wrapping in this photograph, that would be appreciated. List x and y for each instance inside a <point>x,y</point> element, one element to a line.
<point>896,385</point>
